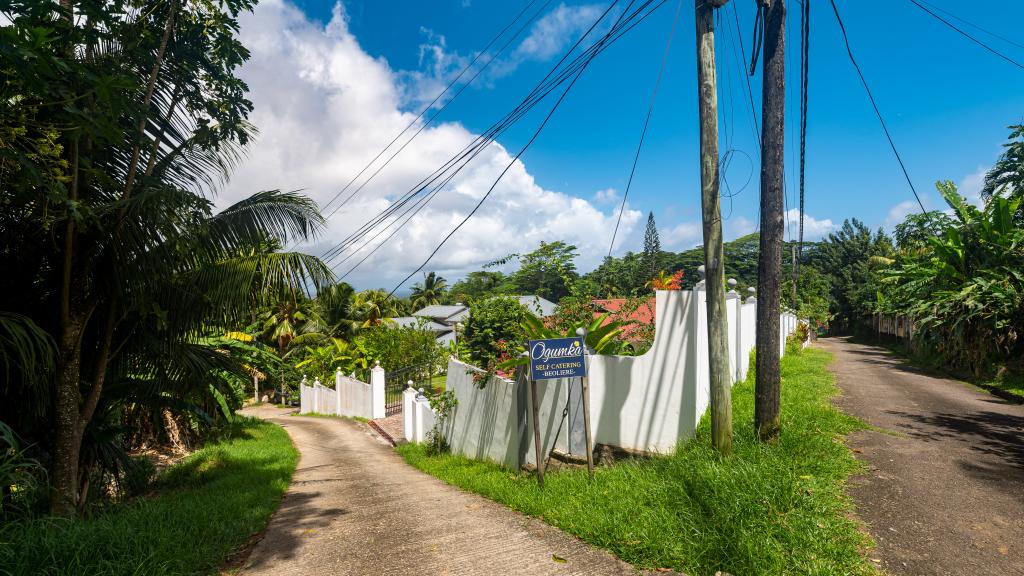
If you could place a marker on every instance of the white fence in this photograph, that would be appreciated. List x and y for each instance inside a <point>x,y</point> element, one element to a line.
<point>645,403</point>
<point>349,397</point>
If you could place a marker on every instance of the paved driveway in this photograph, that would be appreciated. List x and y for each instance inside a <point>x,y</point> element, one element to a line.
<point>355,507</point>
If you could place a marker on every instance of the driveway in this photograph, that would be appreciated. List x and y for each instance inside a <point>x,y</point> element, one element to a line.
<point>355,507</point>
<point>944,490</point>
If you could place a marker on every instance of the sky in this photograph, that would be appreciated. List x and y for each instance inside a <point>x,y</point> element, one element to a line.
<point>333,83</point>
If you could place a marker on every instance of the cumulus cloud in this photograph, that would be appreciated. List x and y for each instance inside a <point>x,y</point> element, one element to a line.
<point>682,236</point>
<point>970,186</point>
<point>606,196</point>
<point>899,213</point>
<point>324,108</point>
<point>551,34</point>
<point>814,229</point>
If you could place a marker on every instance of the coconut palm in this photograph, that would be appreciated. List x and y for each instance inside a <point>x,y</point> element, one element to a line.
<point>371,307</point>
<point>430,291</point>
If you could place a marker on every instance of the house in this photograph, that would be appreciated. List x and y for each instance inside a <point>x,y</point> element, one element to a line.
<point>443,318</point>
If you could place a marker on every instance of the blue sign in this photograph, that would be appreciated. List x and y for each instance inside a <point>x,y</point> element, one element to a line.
<point>557,358</point>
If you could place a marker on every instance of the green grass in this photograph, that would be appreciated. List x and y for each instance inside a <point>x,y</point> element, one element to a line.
<point>770,509</point>
<point>335,416</point>
<point>1010,383</point>
<point>206,507</point>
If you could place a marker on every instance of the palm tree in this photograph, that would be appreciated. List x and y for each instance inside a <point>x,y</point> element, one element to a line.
<point>430,291</point>
<point>370,307</point>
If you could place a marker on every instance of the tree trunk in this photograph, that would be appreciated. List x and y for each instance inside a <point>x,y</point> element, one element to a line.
<point>769,277</point>
<point>67,441</point>
<point>718,339</point>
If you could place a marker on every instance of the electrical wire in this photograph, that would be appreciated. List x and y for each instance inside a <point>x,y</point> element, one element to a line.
<point>972,25</point>
<point>647,121</point>
<point>469,152</point>
<point>805,37</point>
<point>517,156</point>
<point>878,113</point>
<point>428,107</point>
<point>966,35</point>
<point>624,25</point>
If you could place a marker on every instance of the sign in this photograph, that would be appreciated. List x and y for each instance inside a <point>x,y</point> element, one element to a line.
<point>557,358</point>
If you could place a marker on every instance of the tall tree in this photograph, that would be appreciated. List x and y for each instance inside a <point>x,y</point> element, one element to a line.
<point>430,291</point>
<point>769,270</point>
<point>652,248</point>
<point>547,272</point>
<point>120,257</point>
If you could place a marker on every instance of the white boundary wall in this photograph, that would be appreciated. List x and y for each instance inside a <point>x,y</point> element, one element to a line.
<point>350,397</point>
<point>648,403</point>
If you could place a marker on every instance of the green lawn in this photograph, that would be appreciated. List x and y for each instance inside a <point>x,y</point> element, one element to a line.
<point>206,507</point>
<point>771,509</point>
<point>1011,383</point>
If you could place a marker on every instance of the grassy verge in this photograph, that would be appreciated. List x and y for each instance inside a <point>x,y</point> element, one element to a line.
<point>334,416</point>
<point>1008,384</point>
<point>771,509</point>
<point>206,507</point>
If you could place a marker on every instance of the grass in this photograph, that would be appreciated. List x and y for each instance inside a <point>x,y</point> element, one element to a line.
<point>775,508</point>
<point>206,507</point>
<point>1010,383</point>
<point>335,416</point>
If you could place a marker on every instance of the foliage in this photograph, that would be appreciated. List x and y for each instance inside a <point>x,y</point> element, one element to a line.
<point>431,291</point>
<point>776,508</point>
<point>322,362</point>
<point>966,292</point>
<point>665,281</point>
<point>398,347</point>
<point>845,259</point>
<point>652,247</point>
<point>21,476</point>
<point>371,307</point>
<point>443,406</point>
<point>548,271</point>
<point>813,290</point>
<point>119,122</point>
<point>491,321</point>
<point>480,284</point>
<point>206,508</point>
<point>1006,178</point>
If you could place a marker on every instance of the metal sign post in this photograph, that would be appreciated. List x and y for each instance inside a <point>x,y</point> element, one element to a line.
<point>552,359</point>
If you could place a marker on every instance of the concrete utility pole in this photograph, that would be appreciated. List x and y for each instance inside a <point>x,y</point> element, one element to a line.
<point>718,337</point>
<point>769,273</point>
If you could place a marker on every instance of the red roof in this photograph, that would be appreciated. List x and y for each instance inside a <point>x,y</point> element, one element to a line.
<point>643,315</point>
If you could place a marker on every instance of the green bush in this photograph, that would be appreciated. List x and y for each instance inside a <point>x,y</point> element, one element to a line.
<point>492,323</point>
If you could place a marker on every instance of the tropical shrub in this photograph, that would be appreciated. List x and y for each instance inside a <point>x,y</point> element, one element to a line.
<point>492,321</point>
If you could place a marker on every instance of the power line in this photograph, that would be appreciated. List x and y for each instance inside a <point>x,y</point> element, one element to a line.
<point>519,154</point>
<point>965,34</point>
<point>972,25</point>
<point>470,151</point>
<point>434,101</point>
<point>623,26</point>
<point>878,113</point>
<point>647,121</point>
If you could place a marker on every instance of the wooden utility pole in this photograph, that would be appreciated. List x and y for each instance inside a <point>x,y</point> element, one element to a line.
<point>718,338</point>
<point>769,273</point>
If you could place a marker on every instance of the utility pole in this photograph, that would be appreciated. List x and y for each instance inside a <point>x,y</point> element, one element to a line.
<point>769,277</point>
<point>718,339</point>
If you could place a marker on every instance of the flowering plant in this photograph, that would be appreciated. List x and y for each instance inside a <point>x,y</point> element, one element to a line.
<point>664,281</point>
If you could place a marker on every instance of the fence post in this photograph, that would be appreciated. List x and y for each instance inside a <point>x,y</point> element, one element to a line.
<point>377,391</point>
<point>337,393</point>
<point>408,421</point>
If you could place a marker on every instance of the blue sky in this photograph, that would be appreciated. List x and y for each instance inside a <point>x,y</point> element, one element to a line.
<point>946,100</point>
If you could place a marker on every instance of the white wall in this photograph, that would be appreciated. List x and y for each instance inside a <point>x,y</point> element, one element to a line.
<point>648,403</point>
<point>350,397</point>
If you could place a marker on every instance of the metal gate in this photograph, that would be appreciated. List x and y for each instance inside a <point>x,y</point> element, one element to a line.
<point>396,381</point>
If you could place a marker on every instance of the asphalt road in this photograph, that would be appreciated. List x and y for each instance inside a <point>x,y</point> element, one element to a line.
<point>944,490</point>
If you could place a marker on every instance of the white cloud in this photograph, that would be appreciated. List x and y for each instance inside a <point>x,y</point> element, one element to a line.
<point>606,196</point>
<point>970,186</point>
<point>324,108</point>
<point>682,236</point>
<point>899,213</point>
<point>553,31</point>
<point>737,226</point>
<point>814,229</point>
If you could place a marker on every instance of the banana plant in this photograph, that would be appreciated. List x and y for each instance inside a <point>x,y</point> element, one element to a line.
<point>602,337</point>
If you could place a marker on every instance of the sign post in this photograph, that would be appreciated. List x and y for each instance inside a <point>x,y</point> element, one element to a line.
<point>582,333</point>
<point>552,359</point>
